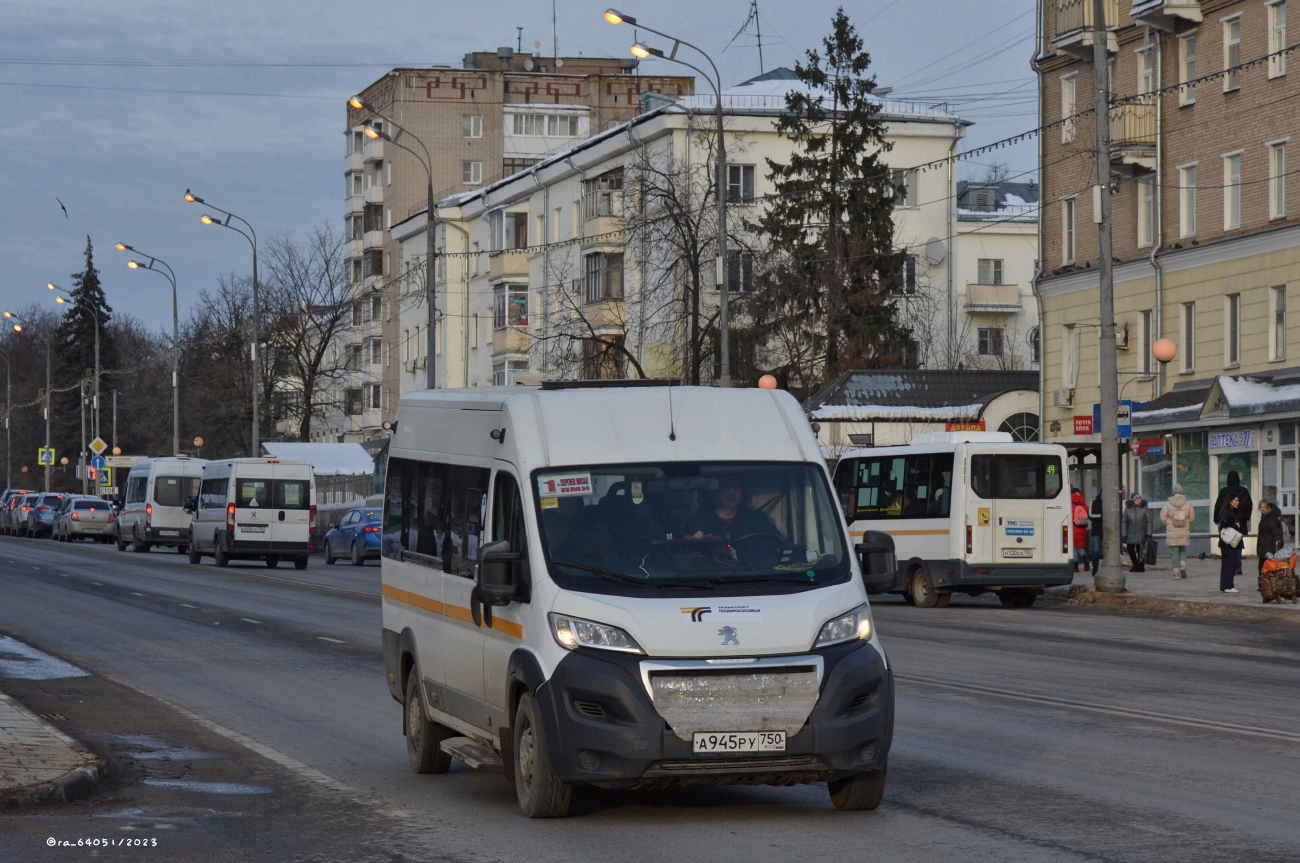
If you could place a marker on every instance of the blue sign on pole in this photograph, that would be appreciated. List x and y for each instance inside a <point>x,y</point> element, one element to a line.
<point>1125,417</point>
<point>97,462</point>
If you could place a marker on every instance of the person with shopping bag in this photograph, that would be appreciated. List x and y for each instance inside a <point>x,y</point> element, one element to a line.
<point>1230,536</point>
<point>1177,516</point>
<point>1136,530</point>
<point>1079,514</point>
<point>1270,536</point>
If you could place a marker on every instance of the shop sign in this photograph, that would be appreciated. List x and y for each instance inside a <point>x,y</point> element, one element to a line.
<point>1082,425</point>
<point>1238,439</point>
<point>1150,446</point>
<point>977,425</point>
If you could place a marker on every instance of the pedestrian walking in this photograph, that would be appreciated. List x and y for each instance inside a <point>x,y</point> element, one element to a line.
<point>1094,515</point>
<point>1230,542</point>
<point>1270,532</point>
<point>1136,530</point>
<point>1177,516</point>
<point>1244,508</point>
<point>1079,516</point>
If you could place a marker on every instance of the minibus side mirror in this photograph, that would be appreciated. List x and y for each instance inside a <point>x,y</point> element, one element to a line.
<point>191,504</point>
<point>879,565</point>
<point>499,577</point>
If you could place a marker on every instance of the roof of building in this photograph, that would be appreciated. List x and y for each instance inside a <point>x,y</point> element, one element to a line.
<point>327,459</point>
<point>915,394</point>
<point>1012,201</point>
<point>1222,399</point>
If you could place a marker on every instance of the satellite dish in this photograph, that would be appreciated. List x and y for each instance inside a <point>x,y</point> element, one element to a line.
<point>935,251</point>
<point>558,62</point>
<point>528,64</point>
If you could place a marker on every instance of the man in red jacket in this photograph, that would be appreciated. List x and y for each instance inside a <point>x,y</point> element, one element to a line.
<point>1079,518</point>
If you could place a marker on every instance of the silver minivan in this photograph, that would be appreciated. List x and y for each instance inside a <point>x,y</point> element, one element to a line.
<point>253,509</point>
<point>154,512</point>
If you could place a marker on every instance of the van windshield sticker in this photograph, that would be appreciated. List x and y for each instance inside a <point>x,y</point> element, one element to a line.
<point>564,484</point>
<point>550,503</point>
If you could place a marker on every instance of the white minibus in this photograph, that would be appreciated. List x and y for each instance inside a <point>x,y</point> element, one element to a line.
<point>254,509</point>
<point>154,509</point>
<point>969,512</point>
<point>627,585</point>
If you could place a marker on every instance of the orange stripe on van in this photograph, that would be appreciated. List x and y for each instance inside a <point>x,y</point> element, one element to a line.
<point>857,533</point>
<point>415,600</point>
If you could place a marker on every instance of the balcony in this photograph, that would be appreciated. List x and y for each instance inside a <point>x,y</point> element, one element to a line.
<point>1133,138</point>
<point>353,205</point>
<point>510,340</point>
<point>995,299</point>
<point>375,194</point>
<point>1166,15</point>
<point>372,240</point>
<point>373,151</point>
<point>1074,27</point>
<point>354,248</point>
<point>504,264</point>
<point>354,163</point>
<point>603,231</point>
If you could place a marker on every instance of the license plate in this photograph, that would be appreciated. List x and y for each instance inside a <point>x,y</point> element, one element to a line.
<point>252,528</point>
<point>1017,552</point>
<point>739,741</point>
<point>169,533</point>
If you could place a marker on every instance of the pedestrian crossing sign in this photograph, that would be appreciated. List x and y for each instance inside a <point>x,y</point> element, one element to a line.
<point>45,456</point>
<point>105,476</point>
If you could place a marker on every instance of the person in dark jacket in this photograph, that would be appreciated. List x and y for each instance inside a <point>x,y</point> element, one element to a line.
<point>1270,532</point>
<point>1094,515</point>
<point>1230,561</point>
<point>1136,529</point>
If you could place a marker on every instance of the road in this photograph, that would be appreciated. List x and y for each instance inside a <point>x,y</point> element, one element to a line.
<point>246,718</point>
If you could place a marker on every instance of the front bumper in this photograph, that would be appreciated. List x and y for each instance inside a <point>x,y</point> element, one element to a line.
<point>849,730</point>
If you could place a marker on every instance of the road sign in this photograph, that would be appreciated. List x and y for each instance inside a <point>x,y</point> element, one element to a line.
<point>111,491</point>
<point>97,462</point>
<point>97,446</point>
<point>45,456</point>
<point>105,476</point>
<point>121,460</point>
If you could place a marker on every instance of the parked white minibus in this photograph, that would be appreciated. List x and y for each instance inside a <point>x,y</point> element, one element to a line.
<point>969,512</point>
<point>154,509</point>
<point>254,509</point>
<point>627,585</point>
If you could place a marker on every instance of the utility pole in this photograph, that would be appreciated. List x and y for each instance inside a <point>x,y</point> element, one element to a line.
<point>49,386</point>
<point>81,458</point>
<point>1110,575</point>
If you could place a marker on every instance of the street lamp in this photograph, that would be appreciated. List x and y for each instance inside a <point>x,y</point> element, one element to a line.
<point>9,409</point>
<point>18,326</point>
<point>359,104</point>
<point>160,266</point>
<point>94,312</point>
<point>251,236</point>
<point>642,51</point>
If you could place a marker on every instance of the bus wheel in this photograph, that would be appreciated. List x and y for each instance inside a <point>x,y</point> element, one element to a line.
<point>922,593</point>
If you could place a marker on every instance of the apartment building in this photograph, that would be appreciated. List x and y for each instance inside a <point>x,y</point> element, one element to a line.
<point>559,271</point>
<point>1206,242</point>
<point>497,114</point>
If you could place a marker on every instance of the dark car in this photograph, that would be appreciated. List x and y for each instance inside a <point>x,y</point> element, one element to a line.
<point>41,518</point>
<point>356,536</point>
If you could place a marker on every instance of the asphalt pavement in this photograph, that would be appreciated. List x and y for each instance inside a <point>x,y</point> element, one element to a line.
<point>243,715</point>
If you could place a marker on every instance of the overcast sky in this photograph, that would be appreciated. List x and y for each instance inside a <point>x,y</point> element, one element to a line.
<point>115,108</point>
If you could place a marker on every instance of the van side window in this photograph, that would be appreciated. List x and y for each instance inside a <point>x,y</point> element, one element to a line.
<point>414,508</point>
<point>172,490</point>
<point>292,494</point>
<point>508,513</point>
<point>135,489</point>
<point>212,493</point>
<point>253,493</point>
<point>468,501</point>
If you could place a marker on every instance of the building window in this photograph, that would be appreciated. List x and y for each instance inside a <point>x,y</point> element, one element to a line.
<point>1277,180</point>
<point>1277,39</point>
<point>740,272</point>
<point>905,278</point>
<point>604,277</point>
<point>514,165</point>
<point>471,126</point>
<point>374,394</point>
<point>557,224</point>
<point>358,142</point>
<point>1189,337</point>
<point>1067,230</point>
<point>1147,341</point>
<point>374,259</point>
<point>376,307</point>
<point>504,372</point>
<point>1277,320</point>
<point>1035,345</point>
<point>374,351</point>
<point>905,181</point>
<point>1232,330</point>
<point>990,341</point>
<point>1022,427</point>
<point>1232,53</point>
<point>1146,215</point>
<point>1146,71</point>
<point>1187,69</point>
<point>516,227</point>
<point>1069,107</point>
<point>603,196</point>
<point>352,401</point>
<point>553,125</point>
<point>603,359</point>
<point>990,271</point>
<point>1232,191</point>
<point>1187,201</point>
<point>509,306</point>
<point>740,184</point>
<point>471,173</point>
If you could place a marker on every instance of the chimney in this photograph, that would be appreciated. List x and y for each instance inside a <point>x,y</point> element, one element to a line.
<point>505,55</point>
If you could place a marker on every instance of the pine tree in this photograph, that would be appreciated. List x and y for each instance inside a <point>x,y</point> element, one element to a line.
<point>74,346</point>
<point>832,257</point>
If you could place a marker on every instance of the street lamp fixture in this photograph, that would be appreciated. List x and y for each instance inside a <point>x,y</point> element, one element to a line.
<point>192,198</point>
<point>359,104</point>
<point>642,51</point>
<point>161,267</point>
<point>614,16</point>
<point>135,265</point>
<point>207,220</point>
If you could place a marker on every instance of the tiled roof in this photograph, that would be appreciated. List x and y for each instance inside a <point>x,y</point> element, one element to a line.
<point>923,389</point>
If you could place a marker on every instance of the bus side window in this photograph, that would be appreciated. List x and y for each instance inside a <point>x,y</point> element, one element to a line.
<point>941,485</point>
<point>917,489</point>
<point>846,474</point>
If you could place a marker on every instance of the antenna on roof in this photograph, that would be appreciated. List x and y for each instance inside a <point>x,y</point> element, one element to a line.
<point>758,32</point>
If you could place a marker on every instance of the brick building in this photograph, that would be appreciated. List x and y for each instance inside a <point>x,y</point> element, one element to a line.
<point>1205,241</point>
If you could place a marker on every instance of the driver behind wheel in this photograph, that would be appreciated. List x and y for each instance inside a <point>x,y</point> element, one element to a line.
<point>728,518</point>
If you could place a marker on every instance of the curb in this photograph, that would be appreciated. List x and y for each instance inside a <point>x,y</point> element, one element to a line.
<point>73,785</point>
<point>1182,608</point>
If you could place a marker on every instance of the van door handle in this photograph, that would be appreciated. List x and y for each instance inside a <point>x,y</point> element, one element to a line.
<point>281,515</point>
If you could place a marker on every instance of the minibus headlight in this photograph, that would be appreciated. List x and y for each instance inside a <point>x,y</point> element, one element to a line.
<point>854,625</point>
<point>574,632</point>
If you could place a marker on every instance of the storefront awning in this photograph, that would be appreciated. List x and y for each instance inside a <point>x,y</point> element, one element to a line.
<point>1222,400</point>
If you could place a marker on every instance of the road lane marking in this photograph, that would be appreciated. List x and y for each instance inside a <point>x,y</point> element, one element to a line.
<point>250,620</point>
<point>335,640</point>
<point>35,567</point>
<point>1123,712</point>
<point>98,583</point>
<point>133,593</point>
<point>183,605</point>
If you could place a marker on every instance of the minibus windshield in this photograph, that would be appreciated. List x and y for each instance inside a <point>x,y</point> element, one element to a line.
<point>690,526</point>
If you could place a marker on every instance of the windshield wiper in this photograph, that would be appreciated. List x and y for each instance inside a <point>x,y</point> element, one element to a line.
<point>759,580</point>
<point>630,579</point>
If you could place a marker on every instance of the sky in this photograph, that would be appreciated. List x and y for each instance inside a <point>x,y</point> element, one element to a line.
<point>117,108</point>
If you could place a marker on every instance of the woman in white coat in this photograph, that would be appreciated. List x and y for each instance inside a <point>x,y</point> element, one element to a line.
<point>1177,516</point>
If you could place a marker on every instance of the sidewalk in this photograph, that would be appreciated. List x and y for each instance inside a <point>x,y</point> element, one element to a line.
<point>39,763</point>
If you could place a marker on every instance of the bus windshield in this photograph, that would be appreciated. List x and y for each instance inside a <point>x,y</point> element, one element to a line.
<point>684,527</point>
<point>1016,476</point>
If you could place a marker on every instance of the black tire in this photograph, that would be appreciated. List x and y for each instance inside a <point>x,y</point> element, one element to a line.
<point>219,555</point>
<point>357,559</point>
<point>193,551</point>
<point>858,792</point>
<point>182,549</point>
<point>540,794</point>
<point>1028,599</point>
<point>137,545</point>
<point>121,543</point>
<point>423,736</point>
<point>329,558</point>
<point>300,562</point>
<point>923,594</point>
<point>272,562</point>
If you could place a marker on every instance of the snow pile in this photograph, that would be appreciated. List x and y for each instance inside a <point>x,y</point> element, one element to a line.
<point>1255,395</point>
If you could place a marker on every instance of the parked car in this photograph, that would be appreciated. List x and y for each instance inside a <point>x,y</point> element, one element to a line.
<point>41,518</point>
<point>356,536</point>
<point>8,503</point>
<point>21,512</point>
<point>84,518</point>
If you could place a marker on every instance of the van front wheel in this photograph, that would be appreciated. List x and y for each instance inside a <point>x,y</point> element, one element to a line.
<point>923,594</point>
<point>861,791</point>
<point>424,736</point>
<point>540,794</point>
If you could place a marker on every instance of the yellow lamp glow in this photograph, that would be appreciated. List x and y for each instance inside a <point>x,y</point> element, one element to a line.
<point>207,220</point>
<point>639,50</point>
<point>356,103</point>
<point>133,265</point>
<point>613,16</point>
<point>121,247</point>
<point>189,197</point>
<point>371,132</point>
<point>60,300</point>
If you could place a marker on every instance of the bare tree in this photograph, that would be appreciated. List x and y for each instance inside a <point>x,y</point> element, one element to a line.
<point>585,335</point>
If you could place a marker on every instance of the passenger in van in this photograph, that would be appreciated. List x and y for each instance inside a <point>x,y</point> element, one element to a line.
<point>728,518</point>
<point>627,520</point>
<point>572,533</point>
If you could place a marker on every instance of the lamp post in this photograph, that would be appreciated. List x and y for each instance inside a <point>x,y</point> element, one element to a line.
<point>642,51</point>
<point>251,236</point>
<point>95,313</point>
<point>160,266</point>
<point>9,409</point>
<point>18,328</point>
<point>426,162</point>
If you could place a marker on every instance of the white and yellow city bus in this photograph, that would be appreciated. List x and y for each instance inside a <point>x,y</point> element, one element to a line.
<point>969,512</point>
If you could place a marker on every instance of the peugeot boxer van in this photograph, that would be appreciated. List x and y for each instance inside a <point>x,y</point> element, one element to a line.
<point>254,509</point>
<point>627,586</point>
<point>153,512</point>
